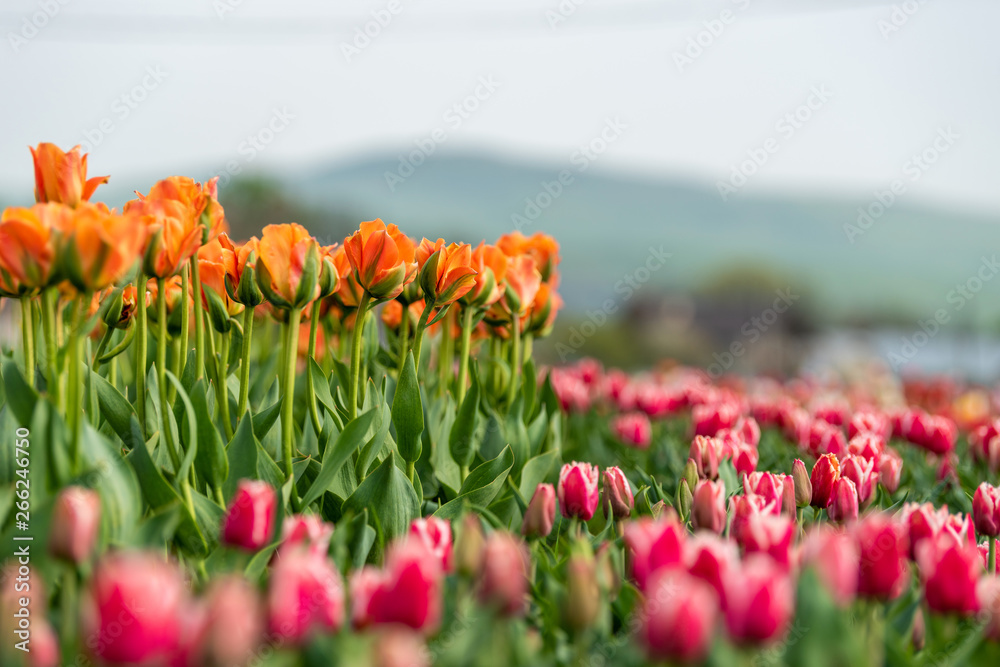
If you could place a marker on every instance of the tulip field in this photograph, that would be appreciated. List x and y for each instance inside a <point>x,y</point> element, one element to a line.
<point>273,452</point>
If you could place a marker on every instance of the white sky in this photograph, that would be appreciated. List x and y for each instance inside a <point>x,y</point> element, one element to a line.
<point>225,76</point>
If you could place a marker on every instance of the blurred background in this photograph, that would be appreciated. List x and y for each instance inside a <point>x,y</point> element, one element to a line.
<point>748,185</point>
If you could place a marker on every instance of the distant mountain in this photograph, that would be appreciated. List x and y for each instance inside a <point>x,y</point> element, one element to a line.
<point>903,265</point>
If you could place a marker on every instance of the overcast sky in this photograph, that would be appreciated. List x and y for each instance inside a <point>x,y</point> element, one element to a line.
<point>200,78</point>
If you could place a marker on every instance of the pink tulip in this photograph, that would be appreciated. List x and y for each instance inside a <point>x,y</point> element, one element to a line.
<point>435,533</point>
<point>950,570</point>
<point>984,442</point>
<point>305,595</point>
<point>771,535</point>
<point>678,617</point>
<point>777,490</point>
<point>618,499</point>
<point>363,585</point>
<point>653,544</point>
<point>824,438</point>
<point>709,557</point>
<point>745,459</point>
<point>863,473</point>
<point>709,506</point>
<point>306,530</point>
<point>44,646</point>
<point>707,453</point>
<point>249,521</point>
<point>633,429</point>
<point>396,646</point>
<point>882,542</point>
<point>411,588</point>
<point>744,507</point>
<point>988,598</point>
<point>889,470</point>
<point>825,474</point>
<point>843,507</point>
<point>802,485</point>
<point>232,626</point>
<point>986,510</point>
<point>138,592</point>
<point>577,490</point>
<point>759,600</point>
<point>503,582</point>
<point>749,430</point>
<point>541,512</point>
<point>76,518</point>
<point>984,551</point>
<point>925,522</point>
<point>709,419</point>
<point>835,557</point>
<point>866,445</point>
<point>868,422</point>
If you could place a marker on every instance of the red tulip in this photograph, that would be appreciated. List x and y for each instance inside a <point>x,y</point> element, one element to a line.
<point>867,446</point>
<point>986,510</point>
<point>709,557</point>
<point>306,530</point>
<point>578,493</point>
<point>633,429</point>
<point>769,534</point>
<point>618,499</point>
<point>744,507</point>
<point>305,595</point>
<point>835,557</point>
<point>541,512</point>
<point>883,545</point>
<point>249,521</point>
<point>436,535</point>
<point>889,470</point>
<point>745,459</point>
<point>950,570</point>
<point>503,582</point>
<point>985,444</point>
<point>843,507</point>
<point>678,617</point>
<point>825,474</point>
<point>76,519</point>
<point>143,595</point>
<point>653,544</point>
<point>759,600</point>
<point>709,506</point>
<point>709,419</point>
<point>407,591</point>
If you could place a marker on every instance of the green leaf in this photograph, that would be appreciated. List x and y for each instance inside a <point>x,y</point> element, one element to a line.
<point>349,440</point>
<point>265,419</point>
<point>115,481</point>
<point>535,471</point>
<point>20,397</point>
<point>408,412</point>
<point>321,384</point>
<point>210,460</point>
<point>390,498</point>
<point>374,400</point>
<point>192,434</point>
<point>156,490</point>
<point>481,486</point>
<point>116,409</point>
<point>242,455</point>
<point>461,440</point>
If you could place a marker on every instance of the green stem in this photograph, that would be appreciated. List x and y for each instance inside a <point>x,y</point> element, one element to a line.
<point>28,340</point>
<point>69,609</point>
<point>101,347</point>
<point>49,305</point>
<point>991,560</point>
<point>404,338</point>
<point>515,360</point>
<point>161,372</point>
<point>418,339</point>
<point>245,361</point>
<point>411,469</point>
<point>288,399</point>
<point>140,350</point>
<point>113,372</point>
<point>180,360</point>
<point>199,324</point>
<point>463,358</point>
<point>359,326</point>
<point>310,387</point>
<point>75,403</point>
<point>527,347</point>
<point>223,386</point>
<point>446,352</point>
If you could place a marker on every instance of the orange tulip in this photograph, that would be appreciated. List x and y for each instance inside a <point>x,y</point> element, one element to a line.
<point>172,293</point>
<point>348,292</point>
<point>446,272</point>
<point>27,244</point>
<point>288,267</point>
<point>382,259</point>
<point>490,264</point>
<point>101,246</point>
<point>523,283</point>
<point>542,247</point>
<point>216,262</point>
<point>62,177</point>
<point>542,314</point>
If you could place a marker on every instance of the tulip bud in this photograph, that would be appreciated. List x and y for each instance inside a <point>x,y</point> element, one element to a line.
<point>618,499</point>
<point>843,505</point>
<point>305,594</point>
<point>249,521</point>
<point>577,490</point>
<point>234,623</point>
<point>919,630</point>
<point>76,518</point>
<point>759,600</point>
<point>685,499</point>
<point>307,530</point>
<point>691,473</point>
<point>883,573</point>
<point>435,533</point>
<point>889,470</point>
<point>653,544</point>
<point>986,510</point>
<point>504,579</point>
<point>583,596</point>
<point>678,617</point>
<point>824,477</point>
<point>709,506</point>
<point>396,646</point>
<point>541,512</point>
<point>446,273</point>
<point>382,259</point>
<point>863,473</point>
<point>950,570</point>
<point>835,557</point>
<point>607,570</point>
<point>469,545</point>
<point>633,429</point>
